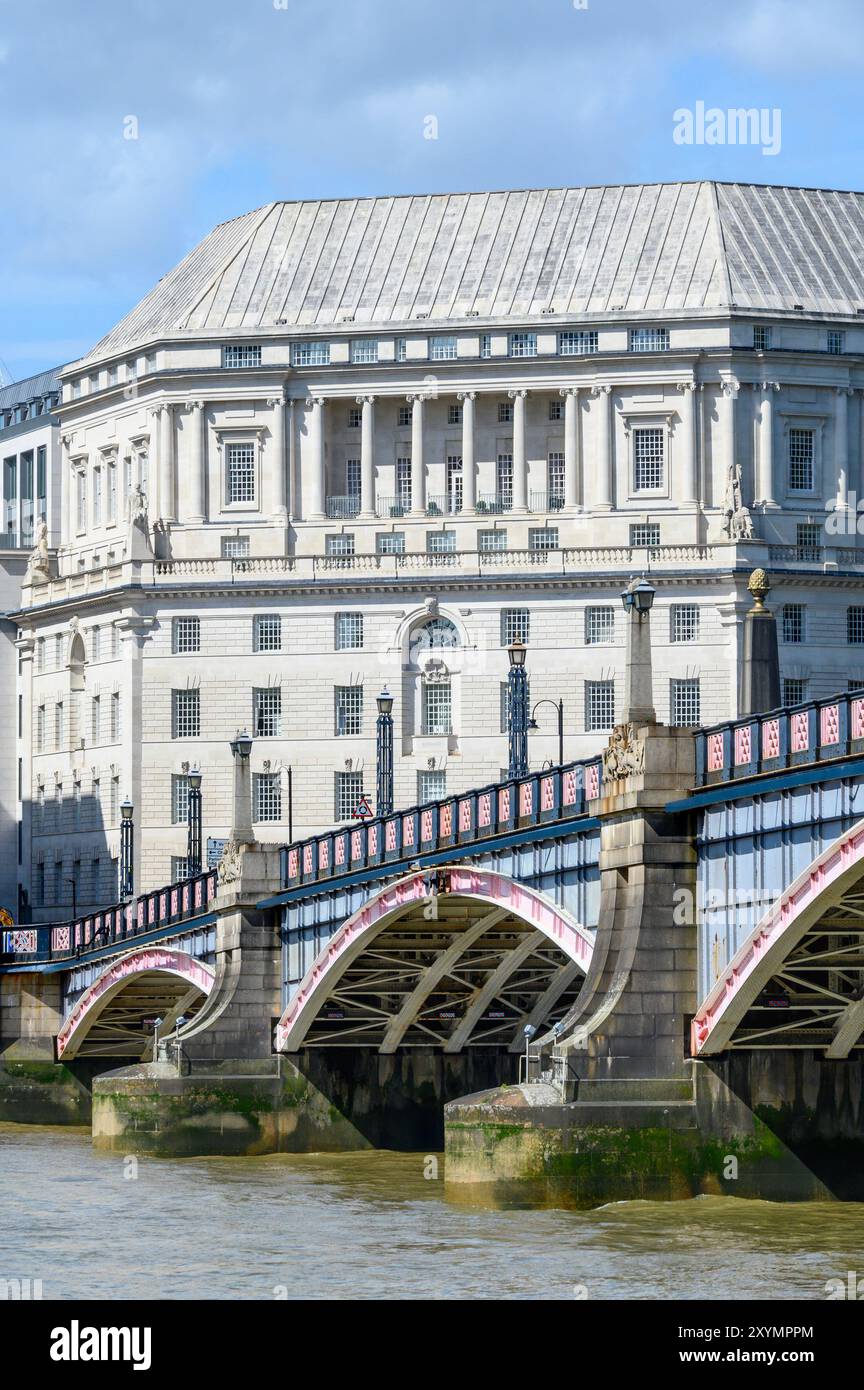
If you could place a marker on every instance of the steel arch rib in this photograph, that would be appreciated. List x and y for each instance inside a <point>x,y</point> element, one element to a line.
<point>356,933</point>
<point>758,959</point>
<point>496,981</point>
<point>132,966</point>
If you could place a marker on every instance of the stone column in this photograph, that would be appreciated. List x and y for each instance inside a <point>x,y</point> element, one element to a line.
<point>292,460</point>
<point>25,647</point>
<point>520,461</point>
<point>638,678</point>
<point>166,465</point>
<point>418,468</point>
<point>841,445</point>
<point>280,506</point>
<point>602,499</point>
<point>196,461</point>
<point>764,488</point>
<point>571,448</point>
<point>469,474</point>
<point>367,456</point>
<point>689,489</point>
<point>313,494</point>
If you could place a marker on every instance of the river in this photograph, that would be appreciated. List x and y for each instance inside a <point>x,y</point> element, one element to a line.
<point>372,1225</point>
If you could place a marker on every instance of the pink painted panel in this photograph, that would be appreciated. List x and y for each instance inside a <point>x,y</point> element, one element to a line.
<point>175,901</point>
<point>339,851</point>
<point>504,803</point>
<point>425,826</point>
<point>390,835</point>
<point>323,854</point>
<point>526,798</point>
<point>800,732</point>
<point>829,724</point>
<point>743,744</point>
<point>211,887</point>
<point>60,940</point>
<point>465,814</point>
<point>547,793</point>
<point>592,781</point>
<point>308,861</point>
<point>355,844</point>
<point>771,738</point>
<point>293,863</point>
<point>407,831</point>
<point>445,819</point>
<point>715,752</point>
<point>484,809</point>
<point>372,839</point>
<point>570,788</point>
<point>858,718</point>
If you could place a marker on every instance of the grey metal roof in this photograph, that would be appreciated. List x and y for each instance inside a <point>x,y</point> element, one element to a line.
<point>649,248</point>
<point>30,388</point>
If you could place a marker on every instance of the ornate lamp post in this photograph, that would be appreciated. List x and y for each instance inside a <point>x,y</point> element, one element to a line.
<point>559,706</point>
<point>384,753</point>
<point>517,709</point>
<point>193,842</point>
<point>241,827</point>
<point>127,841</point>
<point>638,599</point>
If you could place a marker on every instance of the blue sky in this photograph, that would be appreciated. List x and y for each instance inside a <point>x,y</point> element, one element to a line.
<point>242,101</point>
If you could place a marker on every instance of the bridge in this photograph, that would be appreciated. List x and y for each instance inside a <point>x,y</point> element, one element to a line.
<point>667,939</point>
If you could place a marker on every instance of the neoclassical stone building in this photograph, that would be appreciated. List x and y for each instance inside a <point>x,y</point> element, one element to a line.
<point>368,441</point>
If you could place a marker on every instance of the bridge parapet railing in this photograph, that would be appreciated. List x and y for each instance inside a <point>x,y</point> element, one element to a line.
<point>110,926</point>
<point>812,732</point>
<point>553,794</point>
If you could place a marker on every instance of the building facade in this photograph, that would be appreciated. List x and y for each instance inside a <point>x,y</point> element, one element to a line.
<point>368,442</point>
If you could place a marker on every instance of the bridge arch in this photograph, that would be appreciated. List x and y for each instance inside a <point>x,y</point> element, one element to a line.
<point>797,981</point>
<point>449,957</point>
<point>109,1017</point>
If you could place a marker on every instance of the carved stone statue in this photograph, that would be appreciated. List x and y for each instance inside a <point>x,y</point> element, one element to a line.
<point>625,753</point>
<point>39,564</point>
<point>230,866</point>
<point>138,543</point>
<point>138,504</point>
<point>737,521</point>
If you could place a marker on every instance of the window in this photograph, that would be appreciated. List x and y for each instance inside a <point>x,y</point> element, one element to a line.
<point>403,484</point>
<point>59,725</point>
<point>648,469</point>
<point>599,626</point>
<point>573,344</point>
<point>807,538</point>
<point>836,341</point>
<point>235,547</point>
<point>431,786</point>
<point>267,711</point>
<point>801,460</point>
<point>353,478</point>
<point>505,412</point>
<point>179,800</point>
<point>794,690</point>
<point>58,651</point>
<point>523,344</point>
<point>485,344</point>
<point>793,622</point>
<point>401,349</point>
<point>403,415</point>
<point>555,481</point>
<point>684,622</point>
<point>515,626</point>
<point>115,716</point>
<point>436,712</point>
<point>185,635</point>
<point>95,718</point>
<point>179,868</point>
<point>349,710</point>
<point>339,545</point>
<point>185,714</point>
<point>95,643</point>
<point>454,414</point>
<point>241,474</point>
<point>441,542</point>
<point>390,543</point>
<point>649,339</point>
<point>556,410</point>
<point>267,632</point>
<point>112,493</point>
<point>542,538</point>
<point>349,631</point>
<point>855,626</point>
<point>349,794</point>
<point>761,337</point>
<point>40,654</point>
<point>40,729</point>
<point>442,348</point>
<point>454,483</point>
<point>435,632</point>
<point>364,350</point>
<point>266,796</point>
<point>599,705</point>
<point>97,496</point>
<point>355,417</point>
<point>504,481</point>
<point>312,354</point>
<point>644,533</point>
<point>491,542</point>
<point>81,499</point>
<point>684,702</point>
<point>855,685</point>
<point>241,355</point>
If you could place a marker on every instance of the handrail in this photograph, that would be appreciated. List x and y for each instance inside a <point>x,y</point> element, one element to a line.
<point>108,926</point>
<point>813,731</point>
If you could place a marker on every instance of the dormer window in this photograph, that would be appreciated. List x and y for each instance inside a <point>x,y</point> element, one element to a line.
<point>241,355</point>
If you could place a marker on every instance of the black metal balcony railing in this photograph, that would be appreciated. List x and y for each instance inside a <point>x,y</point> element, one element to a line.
<point>342,508</point>
<point>110,926</point>
<point>555,794</point>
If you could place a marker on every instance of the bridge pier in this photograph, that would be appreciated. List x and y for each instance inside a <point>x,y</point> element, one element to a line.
<point>34,1087</point>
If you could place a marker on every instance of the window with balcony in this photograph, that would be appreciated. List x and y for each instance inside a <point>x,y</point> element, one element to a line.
<point>808,537</point>
<point>555,481</point>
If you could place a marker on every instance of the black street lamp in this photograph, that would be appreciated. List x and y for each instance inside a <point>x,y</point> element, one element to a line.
<point>384,753</point>
<point>559,706</point>
<point>127,839</point>
<point>193,841</point>
<point>517,709</point>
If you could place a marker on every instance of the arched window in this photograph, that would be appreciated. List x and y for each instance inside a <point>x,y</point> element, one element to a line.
<point>436,632</point>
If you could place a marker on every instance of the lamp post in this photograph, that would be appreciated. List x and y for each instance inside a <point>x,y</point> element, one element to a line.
<point>241,828</point>
<point>559,706</point>
<point>384,753</point>
<point>193,841</point>
<point>127,840</point>
<point>517,709</point>
<point>638,600</point>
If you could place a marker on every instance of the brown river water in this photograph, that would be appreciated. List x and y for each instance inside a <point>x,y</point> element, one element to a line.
<point>372,1225</point>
